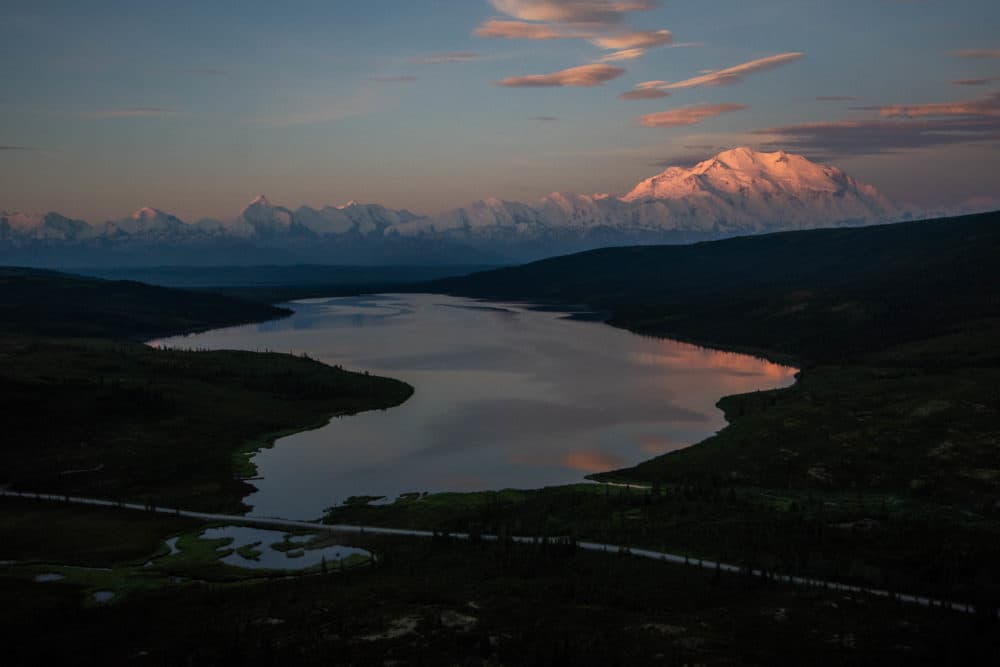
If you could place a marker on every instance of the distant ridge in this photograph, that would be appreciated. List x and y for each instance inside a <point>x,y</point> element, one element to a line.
<point>35,302</point>
<point>736,192</point>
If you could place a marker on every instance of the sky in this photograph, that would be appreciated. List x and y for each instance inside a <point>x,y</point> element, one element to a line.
<point>196,107</point>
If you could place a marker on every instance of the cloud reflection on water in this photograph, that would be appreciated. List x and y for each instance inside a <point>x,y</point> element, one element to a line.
<point>505,396</point>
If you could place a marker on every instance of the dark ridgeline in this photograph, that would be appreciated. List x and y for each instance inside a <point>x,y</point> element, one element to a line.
<point>47,303</point>
<point>820,295</point>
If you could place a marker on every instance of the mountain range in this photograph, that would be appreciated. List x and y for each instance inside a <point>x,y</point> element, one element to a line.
<point>737,192</point>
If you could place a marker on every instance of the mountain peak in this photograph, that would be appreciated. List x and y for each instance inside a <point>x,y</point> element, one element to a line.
<point>263,216</point>
<point>744,172</point>
<point>743,156</point>
<point>147,212</point>
<point>738,151</point>
<point>737,191</point>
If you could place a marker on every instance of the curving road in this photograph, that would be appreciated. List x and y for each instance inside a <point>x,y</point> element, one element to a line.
<point>587,546</point>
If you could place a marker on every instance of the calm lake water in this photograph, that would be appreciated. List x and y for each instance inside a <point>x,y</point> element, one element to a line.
<point>505,397</point>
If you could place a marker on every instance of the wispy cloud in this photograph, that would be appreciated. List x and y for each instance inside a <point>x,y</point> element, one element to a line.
<point>593,12</point>
<point>544,119</point>
<point>836,98</point>
<point>724,77</point>
<point>598,21</point>
<point>207,71</point>
<point>36,150</point>
<point>445,58</point>
<point>647,90</point>
<point>976,82</point>
<point>624,54</point>
<point>688,115</point>
<point>323,109</point>
<point>498,29</point>
<point>642,39</point>
<point>735,74</point>
<point>977,53</point>
<point>582,76</point>
<point>400,78</point>
<point>132,112</point>
<point>987,106</point>
<point>900,127</point>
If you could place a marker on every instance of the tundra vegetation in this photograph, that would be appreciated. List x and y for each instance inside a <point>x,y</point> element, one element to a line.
<point>878,467</point>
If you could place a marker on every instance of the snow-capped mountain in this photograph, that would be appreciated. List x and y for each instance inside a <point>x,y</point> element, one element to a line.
<point>738,191</point>
<point>50,227</point>
<point>147,223</point>
<point>761,191</point>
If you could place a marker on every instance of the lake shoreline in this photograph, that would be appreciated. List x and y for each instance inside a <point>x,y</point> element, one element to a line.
<point>516,365</point>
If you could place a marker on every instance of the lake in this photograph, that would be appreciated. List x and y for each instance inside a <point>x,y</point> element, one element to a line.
<point>505,396</point>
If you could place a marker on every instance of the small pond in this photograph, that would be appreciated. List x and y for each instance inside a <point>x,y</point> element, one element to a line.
<point>275,550</point>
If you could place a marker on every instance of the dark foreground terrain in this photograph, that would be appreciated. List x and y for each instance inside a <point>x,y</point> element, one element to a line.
<point>879,467</point>
<point>87,410</point>
<point>438,602</point>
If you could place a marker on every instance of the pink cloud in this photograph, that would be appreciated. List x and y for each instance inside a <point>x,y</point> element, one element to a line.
<point>642,39</point>
<point>977,53</point>
<point>520,30</point>
<point>735,74</point>
<point>599,21</point>
<point>571,11</point>
<point>688,115</point>
<point>975,82</point>
<point>987,106</point>
<point>644,94</point>
<point>624,54</point>
<point>647,90</point>
<point>875,137</point>
<point>582,76</point>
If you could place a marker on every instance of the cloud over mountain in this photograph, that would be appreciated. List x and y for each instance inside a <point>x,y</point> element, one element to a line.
<point>899,127</point>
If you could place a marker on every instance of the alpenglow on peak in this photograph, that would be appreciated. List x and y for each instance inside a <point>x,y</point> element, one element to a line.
<point>739,191</point>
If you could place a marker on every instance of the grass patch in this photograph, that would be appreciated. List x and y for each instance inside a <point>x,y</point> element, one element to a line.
<point>250,551</point>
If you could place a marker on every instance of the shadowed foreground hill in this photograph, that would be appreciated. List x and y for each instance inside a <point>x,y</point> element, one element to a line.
<point>89,410</point>
<point>46,303</point>
<point>823,295</point>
